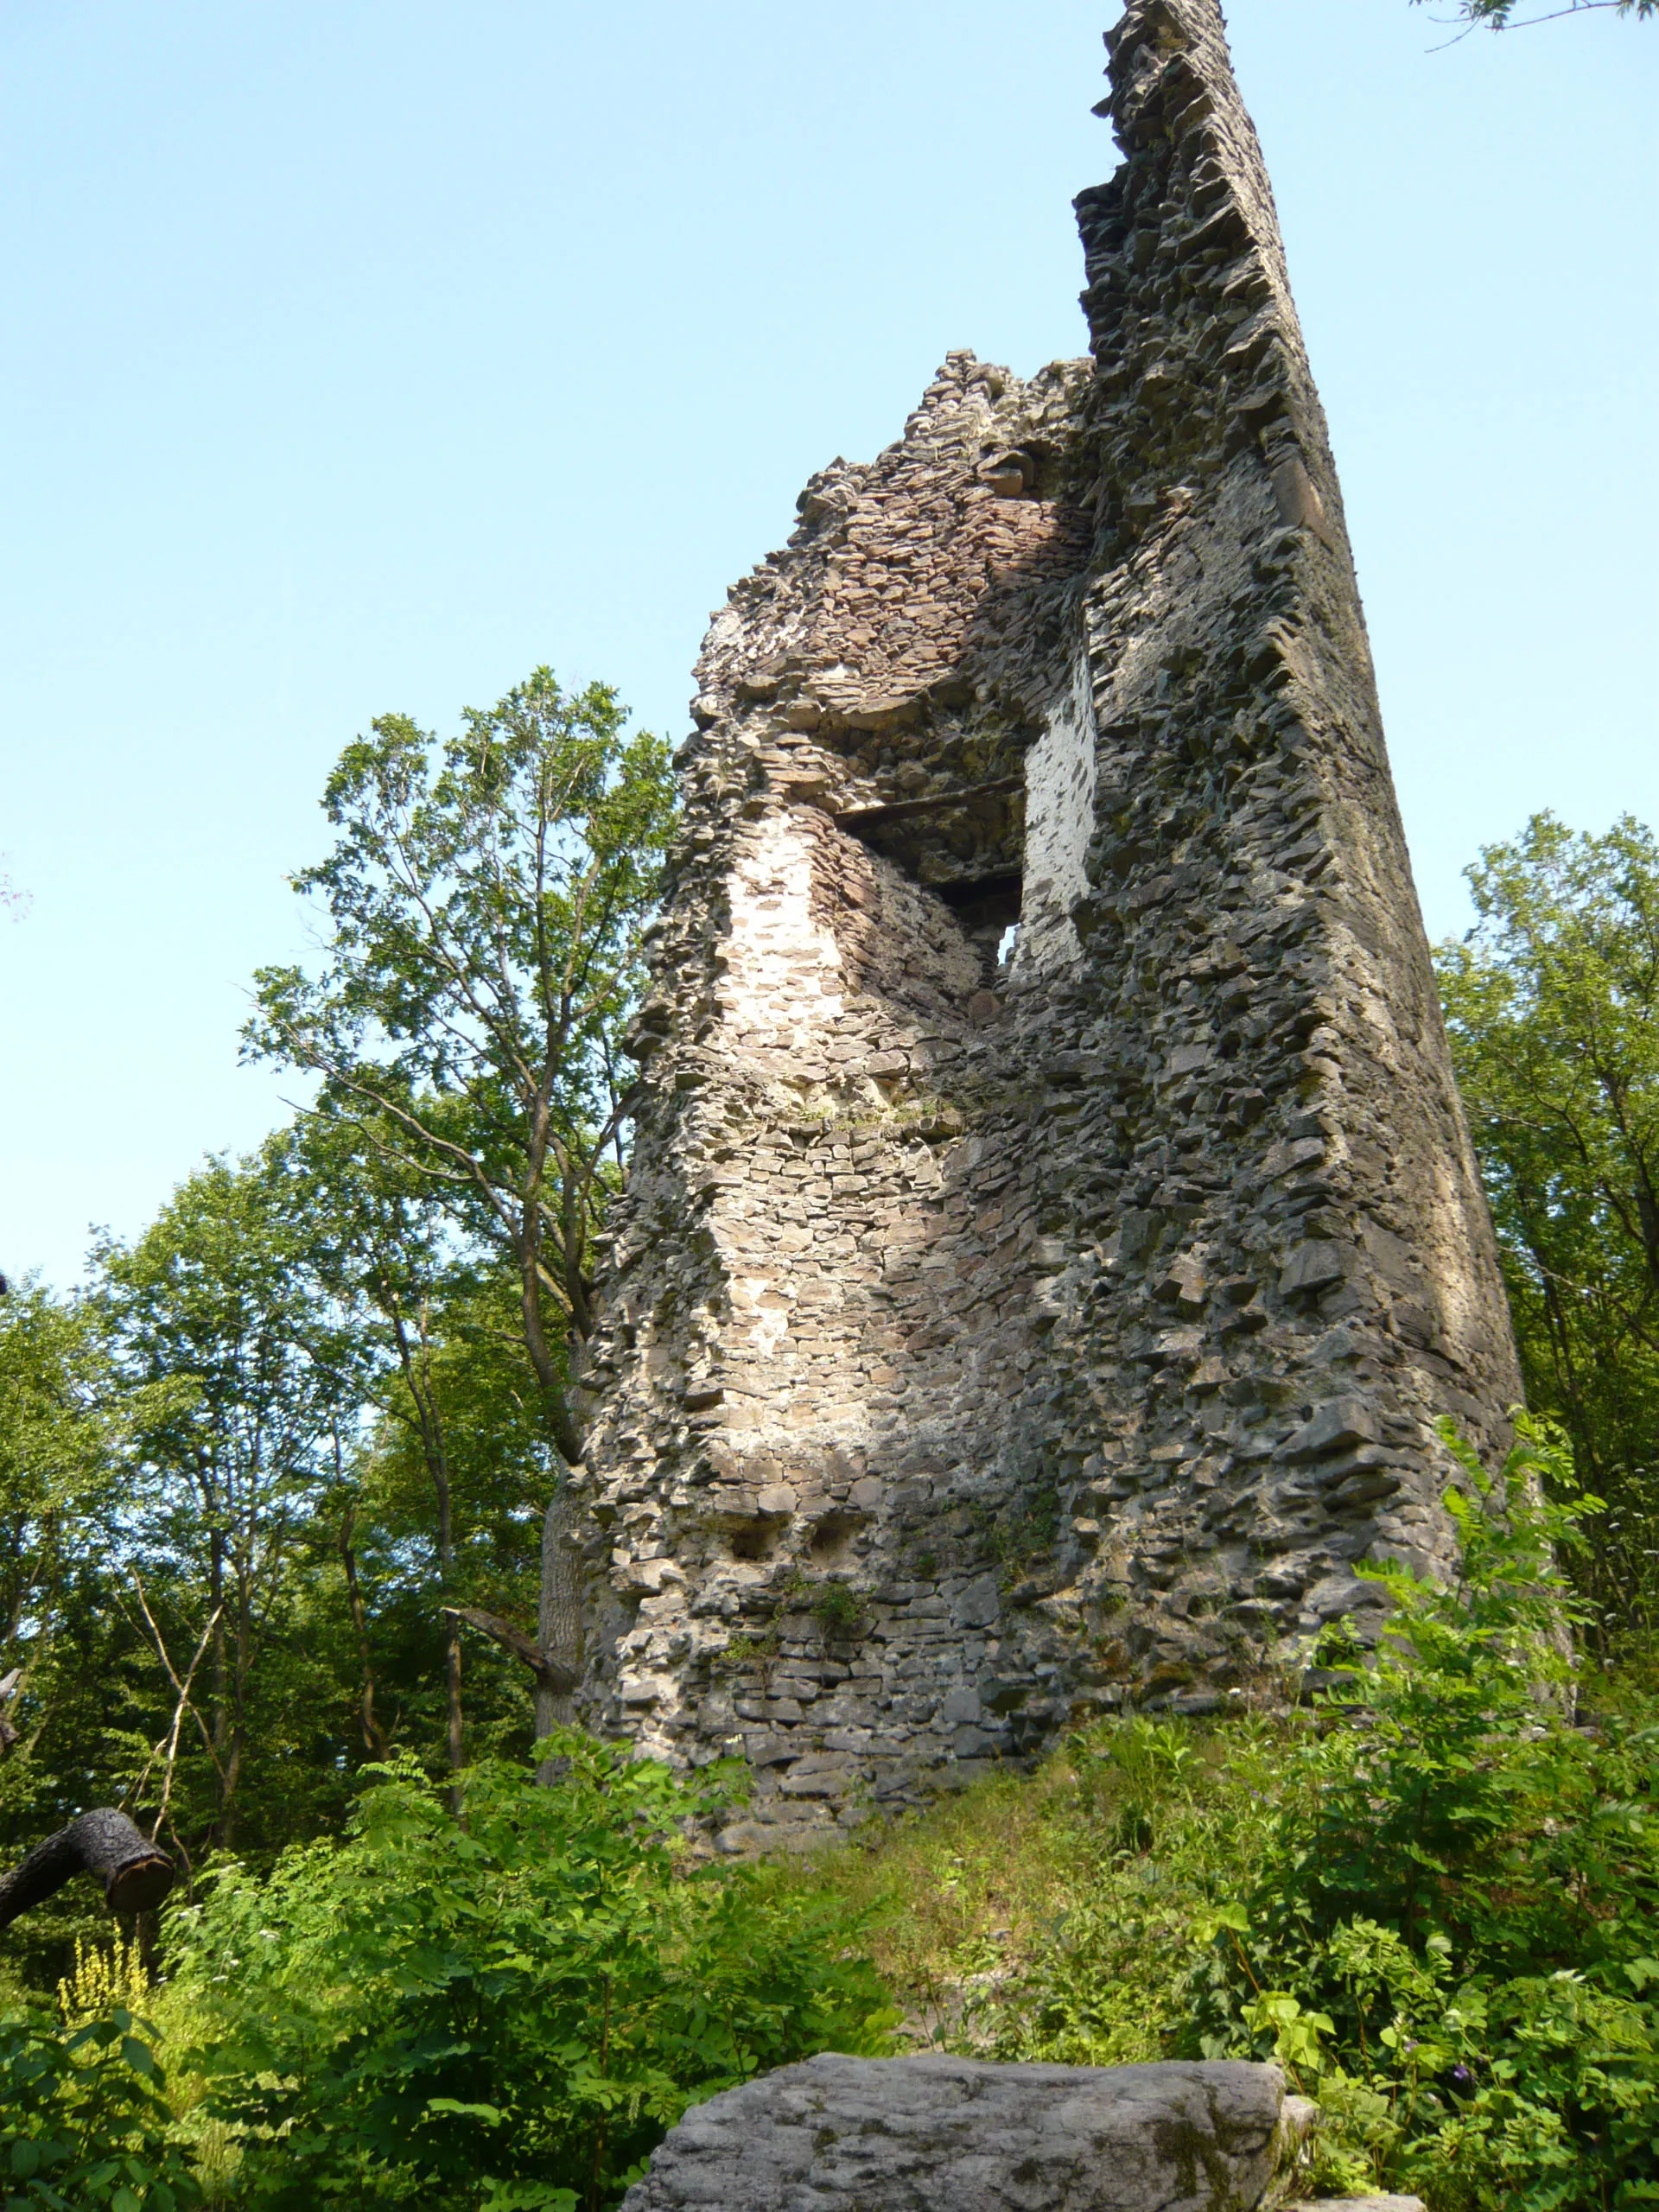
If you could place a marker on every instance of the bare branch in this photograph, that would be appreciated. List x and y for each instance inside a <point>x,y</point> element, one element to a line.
<point>552,1673</point>
<point>178,1718</point>
<point>181,1687</point>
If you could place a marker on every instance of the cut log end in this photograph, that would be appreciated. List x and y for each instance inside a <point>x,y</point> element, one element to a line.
<point>140,1887</point>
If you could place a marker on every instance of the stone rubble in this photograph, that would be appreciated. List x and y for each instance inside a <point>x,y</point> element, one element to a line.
<point>1053,1231</point>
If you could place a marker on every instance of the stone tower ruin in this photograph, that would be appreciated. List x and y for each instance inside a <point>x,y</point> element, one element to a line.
<point>1053,1231</point>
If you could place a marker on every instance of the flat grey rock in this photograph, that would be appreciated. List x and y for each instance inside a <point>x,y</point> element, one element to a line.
<point>1356,2204</point>
<point>940,2134</point>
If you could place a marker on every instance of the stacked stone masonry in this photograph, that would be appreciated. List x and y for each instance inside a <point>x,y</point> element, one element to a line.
<point>1052,1232</point>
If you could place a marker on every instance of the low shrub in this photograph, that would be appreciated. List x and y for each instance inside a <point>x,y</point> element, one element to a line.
<point>503,2011</point>
<point>85,2125</point>
<point>1454,1927</point>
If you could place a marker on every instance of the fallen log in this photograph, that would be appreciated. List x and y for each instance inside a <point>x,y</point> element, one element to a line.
<point>134,1875</point>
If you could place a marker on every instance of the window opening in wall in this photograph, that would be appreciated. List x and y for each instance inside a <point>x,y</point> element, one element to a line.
<point>1006,944</point>
<point>953,837</point>
<point>986,907</point>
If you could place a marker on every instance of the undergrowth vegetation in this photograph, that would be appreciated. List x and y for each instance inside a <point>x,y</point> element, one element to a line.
<point>1432,1895</point>
<point>499,2013</point>
<point>86,2125</point>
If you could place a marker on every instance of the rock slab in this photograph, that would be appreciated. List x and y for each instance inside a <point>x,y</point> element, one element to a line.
<point>1357,2204</point>
<point>941,2134</point>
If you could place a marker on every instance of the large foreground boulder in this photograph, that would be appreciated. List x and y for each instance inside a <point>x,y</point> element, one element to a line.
<point>940,2134</point>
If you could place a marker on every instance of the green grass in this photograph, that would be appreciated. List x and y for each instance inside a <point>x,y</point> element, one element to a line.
<point>1048,1917</point>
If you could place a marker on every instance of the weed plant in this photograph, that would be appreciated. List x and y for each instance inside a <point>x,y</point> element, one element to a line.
<point>85,2120</point>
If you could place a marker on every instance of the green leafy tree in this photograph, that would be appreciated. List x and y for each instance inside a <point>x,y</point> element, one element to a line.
<point>485,897</point>
<point>1552,1005</point>
<point>237,1378</point>
<point>381,1255</point>
<point>482,1396</point>
<point>55,1480</point>
<point>455,1459</point>
<point>67,1659</point>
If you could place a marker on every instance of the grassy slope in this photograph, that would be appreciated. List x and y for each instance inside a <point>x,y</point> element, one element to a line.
<point>1118,1905</point>
<point>1049,1917</point>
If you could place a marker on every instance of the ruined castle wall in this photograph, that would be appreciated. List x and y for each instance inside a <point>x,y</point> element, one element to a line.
<point>1051,1231</point>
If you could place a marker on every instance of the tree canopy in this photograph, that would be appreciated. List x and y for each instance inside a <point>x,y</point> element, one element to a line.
<point>485,897</point>
<point>1552,1008</point>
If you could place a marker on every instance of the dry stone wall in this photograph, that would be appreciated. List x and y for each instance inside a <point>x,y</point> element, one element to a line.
<point>1052,1231</point>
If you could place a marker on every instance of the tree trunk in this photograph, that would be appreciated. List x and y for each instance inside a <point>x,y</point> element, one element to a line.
<point>456,1744</point>
<point>457,1750</point>
<point>416,1372</point>
<point>220,1733</point>
<point>374,1741</point>
<point>241,1667</point>
<point>1647,1206</point>
<point>134,1875</point>
<point>559,1625</point>
<point>559,1622</point>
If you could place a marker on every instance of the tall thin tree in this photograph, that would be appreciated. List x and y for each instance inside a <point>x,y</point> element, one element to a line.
<point>485,897</point>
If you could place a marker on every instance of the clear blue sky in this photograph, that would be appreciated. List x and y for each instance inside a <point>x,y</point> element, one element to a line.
<point>360,354</point>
